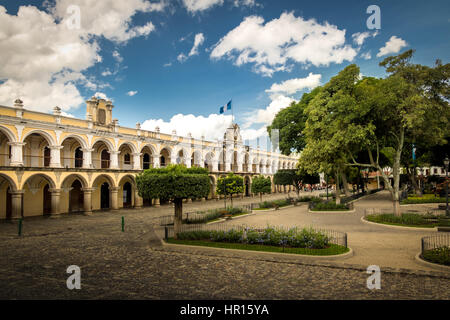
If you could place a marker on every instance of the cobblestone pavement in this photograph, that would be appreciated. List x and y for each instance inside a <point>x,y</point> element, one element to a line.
<point>134,265</point>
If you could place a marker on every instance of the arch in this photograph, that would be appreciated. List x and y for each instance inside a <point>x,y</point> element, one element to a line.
<point>107,143</point>
<point>132,147</point>
<point>247,185</point>
<point>41,175</point>
<point>8,133</point>
<point>149,146</point>
<point>107,177</point>
<point>68,180</point>
<point>48,137</point>
<point>9,180</point>
<point>164,157</point>
<point>76,196</point>
<point>76,137</point>
<point>196,158</point>
<point>129,177</point>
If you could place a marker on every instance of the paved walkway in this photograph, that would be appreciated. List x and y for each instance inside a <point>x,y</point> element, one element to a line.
<point>372,244</point>
<point>129,265</point>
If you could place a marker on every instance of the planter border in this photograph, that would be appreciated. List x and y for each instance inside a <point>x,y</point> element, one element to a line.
<point>332,211</point>
<point>262,253</point>
<point>424,262</point>
<point>398,227</point>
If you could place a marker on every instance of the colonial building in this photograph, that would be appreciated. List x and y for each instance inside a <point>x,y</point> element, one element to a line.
<point>52,164</point>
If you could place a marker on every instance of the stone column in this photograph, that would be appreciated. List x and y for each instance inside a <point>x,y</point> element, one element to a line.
<point>87,158</point>
<point>138,201</point>
<point>215,166</point>
<point>55,156</point>
<point>87,193</point>
<point>16,204</point>
<point>156,160</point>
<point>16,154</point>
<point>239,167</point>
<point>114,159</point>
<point>55,199</point>
<point>137,161</point>
<point>114,198</point>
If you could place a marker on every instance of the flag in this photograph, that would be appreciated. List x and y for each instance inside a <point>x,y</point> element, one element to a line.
<point>221,109</point>
<point>229,105</point>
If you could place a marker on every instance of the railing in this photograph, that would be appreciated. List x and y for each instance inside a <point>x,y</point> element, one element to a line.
<point>335,237</point>
<point>436,249</point>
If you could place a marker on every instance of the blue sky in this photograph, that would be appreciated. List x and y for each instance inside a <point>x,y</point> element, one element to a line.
<point>145,61</point>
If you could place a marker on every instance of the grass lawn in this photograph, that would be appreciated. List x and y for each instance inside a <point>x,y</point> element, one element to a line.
<point>438,255</point>
<point>333,249</point>
<point>426,198</point>
<point>407,220</point>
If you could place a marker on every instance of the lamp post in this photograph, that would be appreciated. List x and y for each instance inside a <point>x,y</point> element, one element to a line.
<point>446,162</point>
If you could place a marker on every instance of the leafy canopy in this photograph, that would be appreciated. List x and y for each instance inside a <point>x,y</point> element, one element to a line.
<point>173,182</point>
<point>260,184</point>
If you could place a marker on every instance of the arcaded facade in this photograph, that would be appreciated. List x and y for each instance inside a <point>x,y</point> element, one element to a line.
<point>52,164</point>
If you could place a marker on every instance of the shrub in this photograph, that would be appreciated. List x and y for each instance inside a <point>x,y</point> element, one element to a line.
<point>438,255</point>
<point>322,206</point>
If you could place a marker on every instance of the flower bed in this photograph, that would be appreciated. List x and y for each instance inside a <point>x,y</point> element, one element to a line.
<point>294,237</point>
<point>426,198</point>
<point>274,204</point>
<point>410,220</point>
<point>438,255</point>
<point>211,215</point>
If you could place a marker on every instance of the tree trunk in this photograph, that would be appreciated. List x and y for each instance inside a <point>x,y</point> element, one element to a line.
<point>344,182</point>
<point>396,174</point>
<point>260,196</point>
<point>338,191</point>
<point>178,219</point>
<point>231,199</point>
<point>412,177</point>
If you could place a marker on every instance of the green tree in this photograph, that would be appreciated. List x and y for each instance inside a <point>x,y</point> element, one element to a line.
<point>290,122</point>
<point>230,185</point>
<point>377,116</point>
<point>174,182</point>
<point>261,185</point>
<point>296,177</point>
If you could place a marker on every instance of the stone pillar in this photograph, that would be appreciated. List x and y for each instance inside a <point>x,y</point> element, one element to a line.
<point>239,167</point>
<point>16,204</point>
<point>87,193</point>
<point>87,158</point>
<point>55,156</point>
<point>156,160</point>
<point>138,201</point>
<point>215,166</point>
<point>16,154</point>
<point>137,161</point>
<point>227,166</point>
<point>114,198</point>
<point>173,159</point>
<point>55,200</point>
<point>114,159</point>
<point>157,203</point>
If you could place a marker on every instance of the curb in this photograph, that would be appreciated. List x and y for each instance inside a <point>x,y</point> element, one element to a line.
<point>398,227</point>
<point>223,219</point>
<point>261,254</point>
<point>431,264</point>
<point>273,209</point>
<point>333,211</point>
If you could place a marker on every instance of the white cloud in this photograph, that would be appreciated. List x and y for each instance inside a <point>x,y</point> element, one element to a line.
<point>367,55</point>
<point>294,85</point>
<point>131,93</point>
<point>109,18</point>
<point>43,59</point>
<point>167,64</point>
<point>200,5</point>
<point>102,95</point>
<point>360,37</point>
<point>198,41</point>
<point>116,55</point>
<point>271,46</point>
<point>194,6</point>
<point>394,45</point>
<point>212,127</point>
<point>181,58</point>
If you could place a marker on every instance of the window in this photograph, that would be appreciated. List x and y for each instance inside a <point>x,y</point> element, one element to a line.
<point>78,158</point>
<point>127,158</point>
<point>46,157</point>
